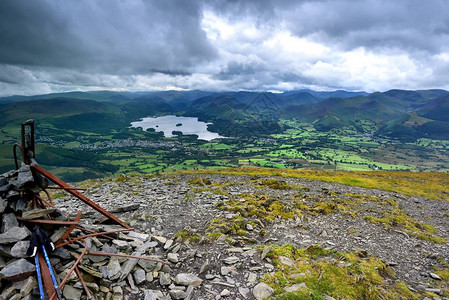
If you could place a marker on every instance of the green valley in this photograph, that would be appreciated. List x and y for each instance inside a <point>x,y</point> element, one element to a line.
<point>87,135</point>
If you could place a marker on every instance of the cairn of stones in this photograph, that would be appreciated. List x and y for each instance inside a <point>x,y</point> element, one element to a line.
<point>106,277</point>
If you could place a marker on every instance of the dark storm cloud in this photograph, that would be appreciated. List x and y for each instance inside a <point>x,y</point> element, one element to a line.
<point>409,24</point>
<point>104,36</point>
<point>60,45</point>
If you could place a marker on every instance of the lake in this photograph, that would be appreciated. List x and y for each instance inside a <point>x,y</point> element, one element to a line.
<point>187,125</point>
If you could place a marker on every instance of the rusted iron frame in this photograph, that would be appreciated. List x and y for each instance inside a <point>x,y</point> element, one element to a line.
<point>95,253</point>
<point>78,260</point>
<point>78,273</point>
<point>34,200</point>
<point>14,152</point>
<point>68,217</point>
<point>37,201</point>
<point>71,227</point>
<point>28,149</point>
<point>91,235</point>
<point>43,221</point>
<point>45,201</point>
<point>61,188</point>
<point>48,196</point>
<point>80,196</point>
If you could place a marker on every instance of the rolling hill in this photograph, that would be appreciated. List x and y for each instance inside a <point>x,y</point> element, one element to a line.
<point>397,113</point>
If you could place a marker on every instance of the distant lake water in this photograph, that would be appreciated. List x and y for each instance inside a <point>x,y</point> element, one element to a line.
<point>186,125</point>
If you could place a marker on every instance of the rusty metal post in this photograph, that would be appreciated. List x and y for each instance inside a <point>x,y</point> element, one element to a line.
<point>77,194</point>
<point>27,147</point>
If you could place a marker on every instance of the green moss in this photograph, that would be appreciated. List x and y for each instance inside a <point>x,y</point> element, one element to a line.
<point>405,292</point>
<point>337,274</point>
<point>274,184</point>
<point>264,207</point>
<point>398,218</point>
<point>200,181</point>
<point>214,235</point>
<point>325,208</point>
<point>186,235</point>
<point>122,178</point>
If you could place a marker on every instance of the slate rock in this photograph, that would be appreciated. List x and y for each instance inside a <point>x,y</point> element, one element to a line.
<point>62,253</point>
<point>150,295</point>
<point>286,261</point>
<point>3,204</point>
<point>244,292</point>
<point>12,194</point>
<point>7,293</point>
<point>120,244</point>
<point>164,279</point>
<point>5,251</point>
<point>188,279</point>
<point>129,265</point>
<point>262,291</point>
<point>113,269</point>
<point>295,275</point>
<point>434,276</point>
<point>139,276</point>
<point>177,294</point>
<point>225,293</point>
<point>173,257</point>
<point>140,236</point>
<point>159,239</point>
<point>17,270</point>
<point>125,208</point>
<point>20,249</point>
<point>24,177</point>
<point>295,287</point>
<point>265,251</point>
<point>37,213</point>
<point>231,260</point>
<point>225,270</point>
<point>109,249</point>
<point>92,271</point>
<point>168,244</point>
<point>8,221</point>
<point>117,293</point>
<point>20,204</point>
<point>71,293</point>
<point>57,234</point>
<point>28,285</point>
<point>434,290</point>
<point>14,235</point>
<point>3,181</point>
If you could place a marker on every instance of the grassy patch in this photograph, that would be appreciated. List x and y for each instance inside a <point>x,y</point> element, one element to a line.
<point>398,218</point>
<point>429,185</point>
<point>200,181</point>
<point>329,273</point>
<point>265,207</point>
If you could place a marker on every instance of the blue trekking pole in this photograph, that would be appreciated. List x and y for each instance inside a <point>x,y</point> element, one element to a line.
<point>53,278</point>
<point>40,238</point>
<point>39,278</point>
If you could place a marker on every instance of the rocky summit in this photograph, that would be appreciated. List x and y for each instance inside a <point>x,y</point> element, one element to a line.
<point>244,237</point>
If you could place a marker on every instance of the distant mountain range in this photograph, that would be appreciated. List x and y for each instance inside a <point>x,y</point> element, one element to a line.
<point>401,114</point>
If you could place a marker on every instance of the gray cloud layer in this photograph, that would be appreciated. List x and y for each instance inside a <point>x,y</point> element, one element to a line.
<point>107,36</point>
<point>52,45</point>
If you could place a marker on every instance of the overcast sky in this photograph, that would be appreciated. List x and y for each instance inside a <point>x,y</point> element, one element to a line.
<point>264,45</point>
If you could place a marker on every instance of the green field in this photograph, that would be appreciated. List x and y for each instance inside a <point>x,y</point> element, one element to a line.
<point>77,155</point>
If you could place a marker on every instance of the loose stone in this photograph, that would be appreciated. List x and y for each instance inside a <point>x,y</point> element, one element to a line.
<point>231,260</point>
<point>262,291</point>
<point>188,279</point>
